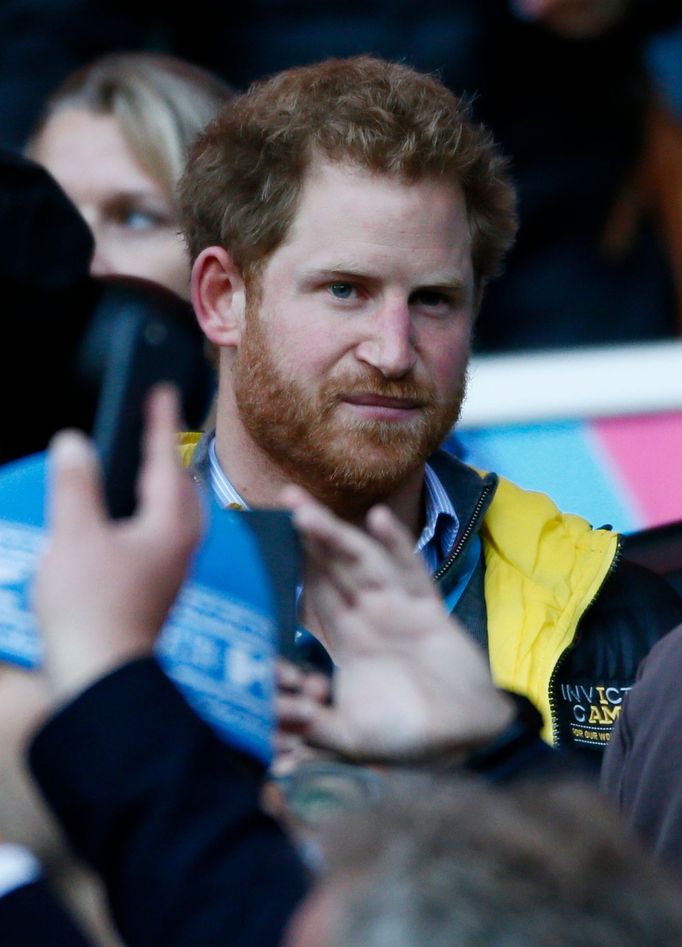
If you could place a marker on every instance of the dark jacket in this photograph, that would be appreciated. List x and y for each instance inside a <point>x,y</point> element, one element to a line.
<point>168,815</point>
<point>642,768</point>
<point>31,916</point>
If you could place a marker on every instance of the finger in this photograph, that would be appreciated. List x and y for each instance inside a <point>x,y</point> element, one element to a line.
<point>353,557</point>
<point>160,459</point>
<point>327,730</point>
<point>349,573</point>
<point>288,676</point>
<point>384,554</point>
<point>75,501</point>
<point>318,523</point>
<point>324,593</point>
<point>295,680</point>
<point>325,600</point>
<point>284,742</point>
<point>167,494</point>
<point>350,558</point>
<point>387,529</point>
<point>293,496</point>
<point>318,687</point>
<point>293,712</point>
<point>288,761</point>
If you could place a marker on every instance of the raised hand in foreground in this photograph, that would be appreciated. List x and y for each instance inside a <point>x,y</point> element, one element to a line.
<point>104,587</point>
<point>409,683</point>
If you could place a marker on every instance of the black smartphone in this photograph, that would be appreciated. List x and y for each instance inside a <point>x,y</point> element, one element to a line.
<point>138,338</point>
<point>141,335</point>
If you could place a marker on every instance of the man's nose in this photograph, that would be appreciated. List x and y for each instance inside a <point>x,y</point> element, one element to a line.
<point>389,345</point>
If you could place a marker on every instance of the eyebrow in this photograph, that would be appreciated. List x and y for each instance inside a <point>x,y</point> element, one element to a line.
<point>138,194</point>
<point>344,271</point>
<point>335,272</point>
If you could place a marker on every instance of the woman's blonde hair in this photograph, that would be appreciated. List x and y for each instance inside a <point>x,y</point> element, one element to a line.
<point>162,104</point>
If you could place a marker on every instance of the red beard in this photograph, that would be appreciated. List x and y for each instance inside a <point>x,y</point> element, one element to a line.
<point>349,463</point>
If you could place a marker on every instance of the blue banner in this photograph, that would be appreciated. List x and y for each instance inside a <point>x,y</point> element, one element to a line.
<point>219,643</point>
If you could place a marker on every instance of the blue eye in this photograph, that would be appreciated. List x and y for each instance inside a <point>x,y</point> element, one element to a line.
<point>141,220</point>
<point>138,213</point>
<point>342,290</point>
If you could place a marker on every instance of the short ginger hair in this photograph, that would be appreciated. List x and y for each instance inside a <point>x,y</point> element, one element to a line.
<point>245,173</point>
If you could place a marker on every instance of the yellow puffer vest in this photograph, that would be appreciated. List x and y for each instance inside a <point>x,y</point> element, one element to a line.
<point>187,442</point>
<point>543,568</point>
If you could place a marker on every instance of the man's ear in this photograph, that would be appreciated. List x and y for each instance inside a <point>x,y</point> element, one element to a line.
<point>218,296</point>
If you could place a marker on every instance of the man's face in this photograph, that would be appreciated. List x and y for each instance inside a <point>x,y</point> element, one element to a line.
<point>352,363</point>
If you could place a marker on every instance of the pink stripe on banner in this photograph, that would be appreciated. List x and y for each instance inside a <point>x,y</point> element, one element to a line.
<point>647,452</point>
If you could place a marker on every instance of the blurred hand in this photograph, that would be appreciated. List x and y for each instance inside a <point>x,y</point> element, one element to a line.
<point>299,694</point>
<point>409,682</point>
<point>573,19</point>
<point>104,587</point>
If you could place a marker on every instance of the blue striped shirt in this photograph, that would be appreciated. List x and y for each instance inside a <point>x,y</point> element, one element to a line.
<point>434,542</point>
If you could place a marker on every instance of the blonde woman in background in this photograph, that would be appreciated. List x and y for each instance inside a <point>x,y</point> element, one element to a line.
<point>115,136</point>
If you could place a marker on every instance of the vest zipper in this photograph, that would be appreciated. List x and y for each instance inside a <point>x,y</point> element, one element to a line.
<point>618,555</point>
<point>461,542</point>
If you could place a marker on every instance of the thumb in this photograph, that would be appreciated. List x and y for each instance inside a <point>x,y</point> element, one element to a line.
<point>75,499</point>
<point>327,730</point>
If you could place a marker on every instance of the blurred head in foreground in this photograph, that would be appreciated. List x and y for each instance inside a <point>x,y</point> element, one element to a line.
<point>466,864</point>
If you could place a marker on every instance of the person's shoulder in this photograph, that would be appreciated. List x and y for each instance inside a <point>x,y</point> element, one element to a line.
<point>665,658</point>
<point>634,608</point>
<point>648,594</point>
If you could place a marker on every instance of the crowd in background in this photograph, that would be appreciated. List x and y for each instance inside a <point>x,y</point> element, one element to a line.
<point>572,97</point>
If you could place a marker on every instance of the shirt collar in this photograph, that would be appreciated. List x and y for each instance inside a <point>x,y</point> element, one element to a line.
<point>225,493</point>
<point>441,524</point>
<point>434,542</point>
